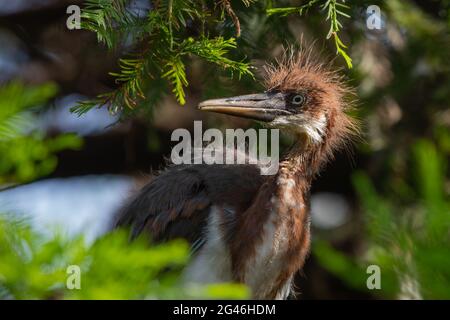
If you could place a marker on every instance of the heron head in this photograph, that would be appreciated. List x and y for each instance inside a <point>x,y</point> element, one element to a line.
<point>302,97</point>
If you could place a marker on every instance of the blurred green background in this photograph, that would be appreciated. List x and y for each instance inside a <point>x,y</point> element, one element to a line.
<point>75,140</point>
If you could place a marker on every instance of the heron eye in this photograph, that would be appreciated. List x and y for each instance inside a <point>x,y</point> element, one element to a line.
<point>298,99</point>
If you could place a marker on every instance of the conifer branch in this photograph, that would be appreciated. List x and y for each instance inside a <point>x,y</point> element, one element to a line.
<point>164,37</point>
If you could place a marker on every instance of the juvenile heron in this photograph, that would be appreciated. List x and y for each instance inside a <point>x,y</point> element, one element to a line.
<point>244,226</point>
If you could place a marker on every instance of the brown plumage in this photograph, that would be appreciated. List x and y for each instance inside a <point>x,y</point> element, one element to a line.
<point>244,226</point>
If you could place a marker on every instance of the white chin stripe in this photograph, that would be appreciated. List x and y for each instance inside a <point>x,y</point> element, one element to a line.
<point>315,128</point>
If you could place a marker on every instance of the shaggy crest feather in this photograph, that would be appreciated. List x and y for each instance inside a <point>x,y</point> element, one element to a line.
<point>327,91</point>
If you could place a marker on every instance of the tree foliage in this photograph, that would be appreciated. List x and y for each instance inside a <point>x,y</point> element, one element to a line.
<point>38,267</point>
<point>334,10</point>
<point>408,241</point>
<point>157,41</point>
<point>26,153</point>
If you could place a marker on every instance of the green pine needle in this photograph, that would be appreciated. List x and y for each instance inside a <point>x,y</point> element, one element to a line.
<point>334,9</point>
<point>163,50</point>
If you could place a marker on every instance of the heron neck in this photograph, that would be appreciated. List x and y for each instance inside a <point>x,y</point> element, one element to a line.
<point>303,161</point>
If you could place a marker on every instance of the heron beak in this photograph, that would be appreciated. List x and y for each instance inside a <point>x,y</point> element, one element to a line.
<point>261,106</point>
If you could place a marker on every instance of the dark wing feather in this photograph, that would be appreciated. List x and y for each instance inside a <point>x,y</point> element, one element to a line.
<point>173,205</point>
<point>176,203</point>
